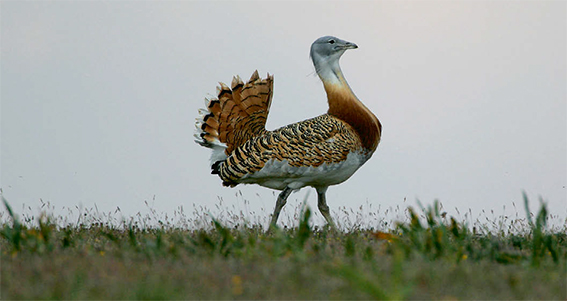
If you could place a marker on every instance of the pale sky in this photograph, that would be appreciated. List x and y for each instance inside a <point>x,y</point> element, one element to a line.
<point>98,99</point>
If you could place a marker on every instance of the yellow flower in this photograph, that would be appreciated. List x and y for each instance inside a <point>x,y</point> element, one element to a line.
<point>236,285</point>
<point>383,236</point>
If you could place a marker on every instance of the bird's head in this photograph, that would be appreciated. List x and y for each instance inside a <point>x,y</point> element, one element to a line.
<point>325,53</point>
<point>328,49</point>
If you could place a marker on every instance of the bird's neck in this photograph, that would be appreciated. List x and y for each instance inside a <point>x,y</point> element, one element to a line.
<point>344,105</point>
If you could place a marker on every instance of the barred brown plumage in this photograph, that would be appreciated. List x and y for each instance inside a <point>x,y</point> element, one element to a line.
<point>318,152</point>
<point>323,139</point>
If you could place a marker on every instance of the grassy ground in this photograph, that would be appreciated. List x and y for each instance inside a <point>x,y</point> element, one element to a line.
<point>429,256</point>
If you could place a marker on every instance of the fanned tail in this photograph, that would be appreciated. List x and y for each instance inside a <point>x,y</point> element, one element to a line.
<point>234,116</point>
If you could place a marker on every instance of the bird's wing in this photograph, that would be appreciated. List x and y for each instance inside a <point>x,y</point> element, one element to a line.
<point>310,143</point>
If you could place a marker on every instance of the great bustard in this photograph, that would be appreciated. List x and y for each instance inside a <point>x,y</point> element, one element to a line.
<point>318,152</point>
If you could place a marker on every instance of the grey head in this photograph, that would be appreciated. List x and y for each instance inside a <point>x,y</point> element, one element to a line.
<point>326,52</point>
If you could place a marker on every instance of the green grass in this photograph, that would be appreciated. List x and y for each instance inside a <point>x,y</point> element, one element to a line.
<point>427,256</point>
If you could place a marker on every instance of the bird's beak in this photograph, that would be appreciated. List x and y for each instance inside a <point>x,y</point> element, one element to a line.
<point>349,45</point>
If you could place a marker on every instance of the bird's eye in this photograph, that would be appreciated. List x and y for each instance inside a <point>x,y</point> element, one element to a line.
<point>331,41</point>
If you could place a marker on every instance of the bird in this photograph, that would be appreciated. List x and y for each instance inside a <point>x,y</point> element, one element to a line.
<point>318,152</point>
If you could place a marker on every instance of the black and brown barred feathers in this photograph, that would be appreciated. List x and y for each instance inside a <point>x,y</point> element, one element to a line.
<point>237,114</point>
<point>310,143</point>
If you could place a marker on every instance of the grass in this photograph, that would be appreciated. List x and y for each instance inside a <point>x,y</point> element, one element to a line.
<point>426,256</point>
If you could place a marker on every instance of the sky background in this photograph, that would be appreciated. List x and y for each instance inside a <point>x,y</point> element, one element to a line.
<point>99,98</point>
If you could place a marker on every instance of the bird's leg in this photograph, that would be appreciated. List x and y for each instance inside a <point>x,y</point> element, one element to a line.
<point>282,199</point>
<point>323,207</point>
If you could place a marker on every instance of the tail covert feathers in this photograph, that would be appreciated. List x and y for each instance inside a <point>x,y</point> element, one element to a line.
<point>236,114</point>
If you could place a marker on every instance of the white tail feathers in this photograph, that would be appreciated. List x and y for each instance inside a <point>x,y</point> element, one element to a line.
<point>218,148</point>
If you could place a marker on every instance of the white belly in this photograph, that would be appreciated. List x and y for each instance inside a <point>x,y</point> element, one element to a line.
<point>279,174</point>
